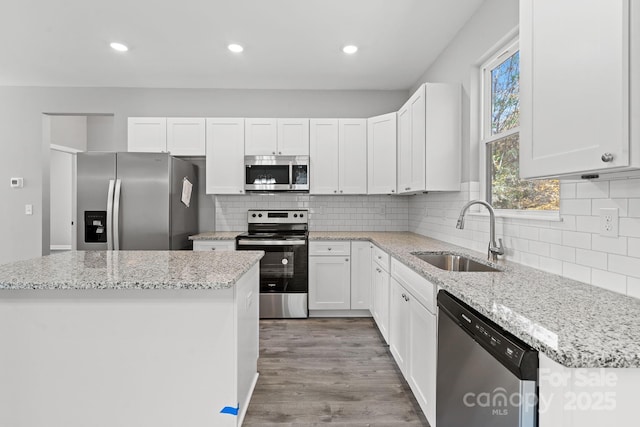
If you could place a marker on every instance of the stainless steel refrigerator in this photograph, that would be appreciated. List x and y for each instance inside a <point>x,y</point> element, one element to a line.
<point>134,201</point>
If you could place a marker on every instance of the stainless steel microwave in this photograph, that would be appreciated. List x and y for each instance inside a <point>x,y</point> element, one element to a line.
<point>276,173</point>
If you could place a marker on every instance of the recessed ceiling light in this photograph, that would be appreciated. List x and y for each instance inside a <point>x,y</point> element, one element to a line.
<point>350,49</point>
<point>119,47</point>
<point>235,48</point>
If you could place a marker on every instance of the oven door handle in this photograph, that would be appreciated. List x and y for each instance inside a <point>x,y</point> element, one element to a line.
<point>272,242</point>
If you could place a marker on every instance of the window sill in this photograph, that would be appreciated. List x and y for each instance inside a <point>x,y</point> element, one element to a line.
<point>537,216</point>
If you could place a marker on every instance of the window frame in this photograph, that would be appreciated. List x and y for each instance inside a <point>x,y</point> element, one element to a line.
<point>485,137</point>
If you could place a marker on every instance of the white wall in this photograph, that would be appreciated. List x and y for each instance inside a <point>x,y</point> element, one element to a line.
<point>572,247</point>
<point>69,131</point>
<point>25,152</point>
<point>326,213</point>
<point>100,133</point>
<point>61,198</point>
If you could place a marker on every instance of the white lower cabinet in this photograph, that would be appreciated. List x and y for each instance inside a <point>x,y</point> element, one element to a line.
<point>329,282</point>
<point>380,294</point>
<point>361,275</point>
<point>413,333</point>
<point>214,245</point>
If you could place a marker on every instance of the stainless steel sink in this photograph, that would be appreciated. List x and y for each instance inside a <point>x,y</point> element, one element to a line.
<point>453,262</point>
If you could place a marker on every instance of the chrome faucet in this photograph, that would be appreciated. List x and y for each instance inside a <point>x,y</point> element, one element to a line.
<point>494,249</point>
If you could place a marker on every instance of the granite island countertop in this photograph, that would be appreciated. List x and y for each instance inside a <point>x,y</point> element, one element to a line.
<point>216,235</point>
<point>129,270</point>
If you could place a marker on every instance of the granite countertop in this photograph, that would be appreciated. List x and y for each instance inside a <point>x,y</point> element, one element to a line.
<point>129,270</point>
<point>576,324</point>
<point>216,235</point>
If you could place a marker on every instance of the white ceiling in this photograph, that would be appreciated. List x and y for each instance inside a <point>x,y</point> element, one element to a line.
<point>289,44</point>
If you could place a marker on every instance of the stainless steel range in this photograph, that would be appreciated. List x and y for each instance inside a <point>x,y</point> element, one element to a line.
<point>284,283</point>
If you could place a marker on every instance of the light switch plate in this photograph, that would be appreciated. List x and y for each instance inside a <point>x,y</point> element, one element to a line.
<point>28,209</point>
<point>17,182</point>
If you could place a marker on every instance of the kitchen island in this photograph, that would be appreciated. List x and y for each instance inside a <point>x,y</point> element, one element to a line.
<point>118,338</point>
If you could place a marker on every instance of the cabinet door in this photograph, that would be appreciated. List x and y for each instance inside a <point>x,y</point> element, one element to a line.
<point>574,86</point>
<point>260,137</point>
<point>353,156</point>
<point>225,156</point>
<point>323,156</point>
<point>147,134</point>
<point>411,143</point>
<point>399,324</point>
<point>381,300</point>
<point>381,135</point>
<point>186,136</point>
<point>293,137</point>
<point>329,283</point>
<point>361,275</point>
<point>422,347</point>
<point>443,137</point>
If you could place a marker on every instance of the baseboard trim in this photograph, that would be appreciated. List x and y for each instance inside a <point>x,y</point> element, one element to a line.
<point>339,313</point>
<point>60,247</point>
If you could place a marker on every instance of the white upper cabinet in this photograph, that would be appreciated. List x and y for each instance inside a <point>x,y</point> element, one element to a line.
<point>353,156</point>
<point>429,152</point>
<point>411,143</point>
<point>381,136</point>
<point>293,137</point>
<point>324,154</point>
<point>575,99</point>
<point>147,134</point>
<point>186,136</point>
<point>225,156</point>
<point>261,137</point>
<point>338,155</point>
<point>269,137</point>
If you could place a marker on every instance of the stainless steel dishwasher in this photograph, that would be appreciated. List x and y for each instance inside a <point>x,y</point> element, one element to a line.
<point>486,377</point>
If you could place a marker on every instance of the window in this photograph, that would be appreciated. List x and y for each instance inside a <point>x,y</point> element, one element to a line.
<point>500,135</point>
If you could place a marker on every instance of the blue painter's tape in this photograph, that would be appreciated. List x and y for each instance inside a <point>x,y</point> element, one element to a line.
<point>230,410</point>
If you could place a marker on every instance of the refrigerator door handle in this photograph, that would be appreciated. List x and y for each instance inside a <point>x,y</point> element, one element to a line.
<point>110,215</point>
<point>116,216</point>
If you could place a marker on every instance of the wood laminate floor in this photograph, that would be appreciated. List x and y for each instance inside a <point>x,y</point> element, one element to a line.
<point>322,370</point>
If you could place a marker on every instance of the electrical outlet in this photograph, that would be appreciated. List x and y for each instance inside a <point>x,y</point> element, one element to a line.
<point>609,222</point>
<point>28,209</point>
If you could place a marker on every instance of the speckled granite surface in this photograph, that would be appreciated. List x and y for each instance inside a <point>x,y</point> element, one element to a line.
<point>216,235</point>
<point>129,270</point>
<point>573,323</point>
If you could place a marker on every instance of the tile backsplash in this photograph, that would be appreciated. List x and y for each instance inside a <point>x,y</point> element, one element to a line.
<point>571,246</point>
<point>326,213</point>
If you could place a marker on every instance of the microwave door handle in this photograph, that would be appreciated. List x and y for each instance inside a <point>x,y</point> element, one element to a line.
<point>109,225</point>
<point>290,175</point>
<point>116,216</point>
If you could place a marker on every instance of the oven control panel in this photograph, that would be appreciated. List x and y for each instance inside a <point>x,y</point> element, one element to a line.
<point>294,216</point>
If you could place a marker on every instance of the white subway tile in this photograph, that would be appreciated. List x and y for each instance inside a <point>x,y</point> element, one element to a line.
<point>616,245</point>
<point>592,190</point>
<point>629,227</point>
<point>530,233</point>
<point>576,272</point>
<point>576,239</point>
<point>625,188</point>
<point>633,287</point>
<point>634,208</point>
<point>634,247</point>
<point>563,253</point>
<point>608,280</point>
<point>530,260</point>
<point>567,190</point>
<point>575,206</point>
<point>624,265</point>
<point>550,265</point>
<point>591,258</point>
<point>539,248</point>
<point>621,204</point>
<point>588,224</point>
<point>551,236</point>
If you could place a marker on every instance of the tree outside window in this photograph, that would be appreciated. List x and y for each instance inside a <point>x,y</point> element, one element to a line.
<point>505,189</point>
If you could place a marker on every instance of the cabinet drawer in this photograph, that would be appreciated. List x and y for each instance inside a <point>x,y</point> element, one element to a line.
<point>381,258</point>
<point>330,248</point>
<point>214,245</point>
<point>422,289</point>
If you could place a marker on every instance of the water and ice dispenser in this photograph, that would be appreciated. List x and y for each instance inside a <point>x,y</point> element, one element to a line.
<point>95,226</point>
